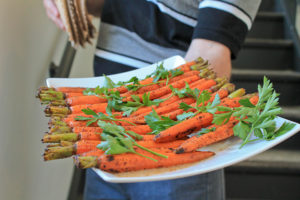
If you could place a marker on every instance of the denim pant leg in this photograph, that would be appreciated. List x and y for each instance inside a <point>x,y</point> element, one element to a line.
<point>96,188</point>
<point>209,186</point>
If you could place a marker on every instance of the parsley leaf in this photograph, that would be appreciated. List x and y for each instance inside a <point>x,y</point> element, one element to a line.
<point>206,130</point>
<point>118,141</point>
<point>157,123</point>
<point>98,117</point>
<point>184,116</point>
<point>256,120</point>
<point>108,83</point>
<point>162,73</point>
<point>186,92</point>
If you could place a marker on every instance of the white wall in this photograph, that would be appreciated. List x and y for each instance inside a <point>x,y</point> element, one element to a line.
<point>27,43</point>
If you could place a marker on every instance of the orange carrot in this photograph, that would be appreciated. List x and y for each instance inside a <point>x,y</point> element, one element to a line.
<point>222,132</point>
<point>166,89</point>
<point>139,129</point>
<point>70,89</point>
<point>132,162</point>
<point>187,66</point>
<point>184,128</point>
<point>81,100</point>
<point>152,144</point>
<point>204,85</point>
<point>73,94</point>
<point>144,89</point>
<point>148,137</point>
<point>173,114</point>
<point>82,146</point>
<point>78,129</point>
<point>167,108</point>
<point>99,107</point>
<point>95,152</point>
<point>184,75</point>
<point>89,136</point>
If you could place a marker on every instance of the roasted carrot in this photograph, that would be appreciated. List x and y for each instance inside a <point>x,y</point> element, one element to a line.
<point>184,128</point>
<point>85,145</point>
<point>99,107</point>
<point>70,89</point>
<point>79,147</point>
<point>167,108</point>
<point>173,114</point>
<point>222,132</point>
<point>82,100</point>
<point>195,123</point>
<point>73,94</point>
<point>166,89</point>
<point>96,152</point>
<point>128,162</point>
<point>139,129</point>
<point>152,144</point>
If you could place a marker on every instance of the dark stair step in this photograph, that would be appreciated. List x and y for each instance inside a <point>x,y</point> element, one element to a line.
<point>274,174</point>
<point>265,54</point>
<point>292,113</point>
<point>285,82</point>
<point>270,5</point>
<point>268,25</point>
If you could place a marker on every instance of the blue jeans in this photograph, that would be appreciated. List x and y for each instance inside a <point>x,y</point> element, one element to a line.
<point>209,186</point>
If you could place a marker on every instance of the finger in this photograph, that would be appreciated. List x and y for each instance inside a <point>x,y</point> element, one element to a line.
<point>56,20</point>
<point>50,5</point>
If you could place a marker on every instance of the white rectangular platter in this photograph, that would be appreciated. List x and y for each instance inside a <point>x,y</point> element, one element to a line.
<point>227,152</point>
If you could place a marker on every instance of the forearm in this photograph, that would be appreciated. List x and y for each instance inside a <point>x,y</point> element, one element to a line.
<point>94,7</point>
<point>218,55</point>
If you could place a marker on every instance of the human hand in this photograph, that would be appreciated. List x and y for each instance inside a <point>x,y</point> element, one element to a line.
<point>217,54</point>
<point>53,13</point>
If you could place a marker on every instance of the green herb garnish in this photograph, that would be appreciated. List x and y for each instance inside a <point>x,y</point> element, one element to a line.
<point>96,117</point>
<point>162,73</point>
<point>159,123</point>
<point>201,105</point>
<point>118,141</point>
<point>257,120</point>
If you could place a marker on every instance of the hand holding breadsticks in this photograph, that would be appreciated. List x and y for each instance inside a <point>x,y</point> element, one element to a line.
<point>72,16</point>
<point>53,13</point>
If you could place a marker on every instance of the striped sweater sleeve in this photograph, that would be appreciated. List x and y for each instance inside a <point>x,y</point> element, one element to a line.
<point>226,21</point>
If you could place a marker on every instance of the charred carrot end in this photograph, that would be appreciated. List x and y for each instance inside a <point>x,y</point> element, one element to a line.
<point>71,137</point>
<point>53,145</point>
<point>229,87</point>
<point>54,153</point>
<point>57,123</point>
<point>42,90</point>
<point>57,110</point>
<point>64,143</point>
<point>200,64</point>
<point>85,162</point>
<point>238,93</point>
<point>60,129</point>
<point>51,96</point>
<point>58,103</point>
